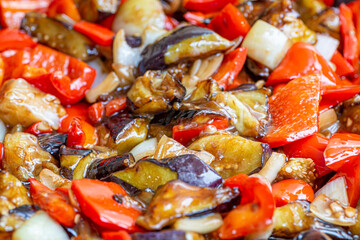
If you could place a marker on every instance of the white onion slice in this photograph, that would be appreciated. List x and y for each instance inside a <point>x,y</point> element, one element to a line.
<point>326,45</point>
<point>336,190</point>
<point>108,85</point>
<point>101,72</point>
<point>327,118</point>
<point>273,166</point>
<point>200,225</point>
<point>2,131</point>
<point>40,227</point>
<point>144,149</point>
<point>266,44</point>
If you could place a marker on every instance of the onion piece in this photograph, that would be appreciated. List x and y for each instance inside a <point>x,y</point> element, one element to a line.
<point>327,118</point>
<point>108,85</point>
<point>266,44</point>
<point>101,72</point>
<point>273,166</point>
<point>2,131</point>
<point>326,45</point>
<point>144,149</point>
<point>200,225</point>
<point>333,211</point>
<point>40,227</point>
<point>336,190</point>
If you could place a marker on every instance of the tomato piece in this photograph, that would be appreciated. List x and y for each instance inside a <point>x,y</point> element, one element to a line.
<point>294,111</point>
<point>66,7</point>
<point>206,5</point>
<point>52,202</point>
<point>115,105</point>
<point>290,190</point>
<point>95,32</point>
<point>81,134</point>
<point>79,110</point>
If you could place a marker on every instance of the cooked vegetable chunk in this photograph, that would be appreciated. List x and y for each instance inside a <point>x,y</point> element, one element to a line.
<point>13,190</point>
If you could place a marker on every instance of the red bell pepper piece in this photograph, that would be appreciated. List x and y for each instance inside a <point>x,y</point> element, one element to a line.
<point>13,11</point>
<point>230,23</point>
<point>14,39</point>
<point>355,8</point>
<point>79,110</point>
<point>81,134</point>
<point>294,111</point>
<point>52,202</point>
<point>348,36</point>
<point>290,190</point>
<point>343,67</point>
<point>66,7</point>
<point>119,235</point>
<point>39,128</point>
<point>1,152</point>
<point>255,211</point>
<point>2,70</point>
<point>329,2</point>
<point>342,148</point>
<point>170,23</point>
<point>230,67</point>
<point>96,112</point>
<point>115,105</point>
<point>302,59</point>
<point>206,6</point>
<point>69,77</point>
<point>311,147</point>
<point>95,32</point>
<point>96,200</point>
<point>184,133</point>
<point>108,22</point>
<point>199,18</point>
<point>339,94</point>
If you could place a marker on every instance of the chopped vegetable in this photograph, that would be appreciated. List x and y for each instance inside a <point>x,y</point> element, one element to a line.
<point>206,5</point>
<point>66,7</point>
<point>97,33</point>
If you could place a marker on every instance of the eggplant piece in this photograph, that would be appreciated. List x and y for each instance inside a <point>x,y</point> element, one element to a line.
<point>205,90</point>
<point>167,235</point>
<point>233,154</point>
<point>155,91</point>
<point>298,168</point>
<point>25,211</point>
<point>69,158</point>
<point>171,6</point>
<point>256,69</point>
<point>185,43</point>
<point>177,199</point>
<point>349,117</point>
<point>96,10</point>
<point>312,235</point>
<point>253,10</point>
<point>13,190</point>
<point>51,142</point>
<point>103,167</point>
<point>56,35</point>
<point>16,217</point>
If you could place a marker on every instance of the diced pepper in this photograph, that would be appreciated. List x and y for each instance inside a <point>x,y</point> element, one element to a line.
<point>96,112</point>
<point>206,6</point>
<point>338,94</point>
<point>1,152</point>
<point>329,2</point>
<point>230,23</point>
<point>79,110</point>
<point>66,7</point>
<point>115,105</point>
<point>230,67</point>
<point>342,148</point>
<point>199,18</point>
<point>119,235</point>
<point>355,8</point>
<point>302,59</point>
<point>348,36</point>
<point>14,39</point>
<point>311,147</point>
<point>343,67</point>
<point>96,200</point>
<point>52,202</point>
<point>289,190</point>
<point>108,22</point>
<point>170,23</point>
<point>39,128</point>
<point>2,70</point>
<point>255,211</point>
<point>95,32</point>
<point>81,134</point>
<point>184,133</point>
<point>294,111</point>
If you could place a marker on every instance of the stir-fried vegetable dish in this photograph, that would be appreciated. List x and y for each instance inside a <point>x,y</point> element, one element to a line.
<point>179,119</point>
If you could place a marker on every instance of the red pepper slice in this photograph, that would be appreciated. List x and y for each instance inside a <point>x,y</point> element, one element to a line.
<point>13,11</point>
<point>39,128</point>
<point>230,18</point>
<point>343,67</point>
<point>311,147</point>
<point>2,70</point>
<point>66,7</point>
<point>96,112</point>
<point>199,18</point>
<point>108,22</point>
<point>81,134</point>
<point>119,235</point>
<point>1,152</point>
<point>255,211</point>
<point>302,59</point>
<point>170,23</point>
<point>289,190</point>
<point>185,133</point>
<point>79,110</point>
<point>348,36</point>
<point>96,200</point>
<point>115,105</point>
<point>14,39</point>
<point>342,148</point>
<point>95,32</point>
<point>295,111</point>
<point>52,202</point>
<point>206,6</point>
<point>355,8</point>
<point>230,67</point>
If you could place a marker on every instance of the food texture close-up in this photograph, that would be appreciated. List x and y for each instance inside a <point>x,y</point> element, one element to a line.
<point>179,119</point>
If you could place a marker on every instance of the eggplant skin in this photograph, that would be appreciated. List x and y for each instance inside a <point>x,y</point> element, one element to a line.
<point>163,235</point>
<point>51,142</point>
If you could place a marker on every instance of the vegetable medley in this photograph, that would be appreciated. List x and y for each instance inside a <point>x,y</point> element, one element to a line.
<point>179,119</point>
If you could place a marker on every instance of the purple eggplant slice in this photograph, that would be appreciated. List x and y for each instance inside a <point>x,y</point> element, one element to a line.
<point>167,235</point>
<point>51,142</point>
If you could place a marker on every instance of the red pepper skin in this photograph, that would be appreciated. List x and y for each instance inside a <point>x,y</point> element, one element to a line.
<point>289,190</point>
<point>342,148</point>
<point>329,2</point>
<point>295,111</point>
<point>246,218</point>
<point>302,59</point>
<point>199,18</point>
<point>15,39</point>
<point>95,32</point>
<point>230,67</point>
<point>1,153</point>
<point>348,36</point>
<point>311,147</point>
<point>119,235</point>
<point>355,8</point>
<point>115,105</point>
<point>52,202</point>
<point>39,128</point>
<point>13,11</point>
<point>2,70</point>
<point>81,134</point>
<point>66,7</point>
<point>230,18</point>
<point>79,110</point>
<point>170,23</point>
<point>339,94</point>
<point>96,112</point>
<point>96,202</point>
<point>343,67</point>
<point>206,6</point>
<point>108,22</point>
<point>184,134</point>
